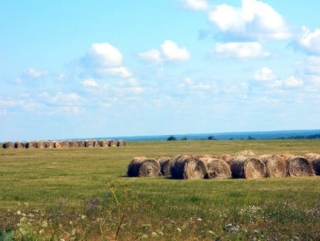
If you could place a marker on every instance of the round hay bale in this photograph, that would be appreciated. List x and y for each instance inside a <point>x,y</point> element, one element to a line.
<point>188,167</point>
<point>73,144</point>
<point>88,143</point>
<point>227,158</point>
<point>64,144</point>
<point>275,164</point>
<point>247,167</point>
<point>104,143</point>
<point>48,144</point>
<point>314,159</point>
<point>8,145</point>
<point>96,144</point>
<point>143,167</point>
<point>134,165</point>
<point>216,167</point>
<point>19,144</point>
<point>121,143</point>
<point>299,166</point>
<point>30,144</point>
<point>56,144</point>
<point>165,165</point>
<point>39,144</point>
<point>286,156</point>
<point>80,143</point>
<point>112,143</point>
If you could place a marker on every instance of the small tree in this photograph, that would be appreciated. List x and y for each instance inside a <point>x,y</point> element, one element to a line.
<point>172,138</point>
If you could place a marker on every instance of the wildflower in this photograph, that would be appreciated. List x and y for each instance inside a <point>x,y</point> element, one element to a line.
<point>154,234</point>
<point>83,216</point>
<point>44,224</point>
<point>18,212</point>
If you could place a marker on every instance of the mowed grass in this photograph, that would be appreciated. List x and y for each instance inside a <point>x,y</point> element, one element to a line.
<point>84,194</point>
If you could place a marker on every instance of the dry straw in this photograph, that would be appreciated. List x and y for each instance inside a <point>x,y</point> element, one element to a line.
<point>226,157</point>
<point>246,165</point>
<point>103,143</point>
<point>188,167</point>
<point>216,167</point>
<point>56,144</point>
<point>48,144</point>
<point>39,144</point>
<point>73,144</point>
<point>121,143</point>
<point>143,167</point>
<point>165,165</point>
<point>88,143</point>
<point>8,144</point>
<point>299,166</point>
<point>80,143</point>
<point>96,144</point>
<point>275,164</point>
<point>19,144</point>
<point>314,159</point>
<point>112,143</point>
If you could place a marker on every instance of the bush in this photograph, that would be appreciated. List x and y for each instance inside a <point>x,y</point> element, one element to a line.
<point>172,138</point>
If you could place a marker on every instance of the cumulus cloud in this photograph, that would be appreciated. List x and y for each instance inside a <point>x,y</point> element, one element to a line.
<point>34,73</point>
<point>293,82</point>
<point>90,83</point>
<point>254,20</point>
<point>264,74</point>
<point>309,41</point>
<point>197,5</point>
<point>104,54</point>
<point>104,59</point>
<point>62,98</point>
<point>168,51</point>
<point>241,50</point>
<point>309,69</point>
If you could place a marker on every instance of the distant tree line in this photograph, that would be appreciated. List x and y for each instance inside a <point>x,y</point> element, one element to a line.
<point>315,136</point>
<point>213,138</point>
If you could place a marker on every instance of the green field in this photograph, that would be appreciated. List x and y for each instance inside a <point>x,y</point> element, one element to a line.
<point>84,194</point>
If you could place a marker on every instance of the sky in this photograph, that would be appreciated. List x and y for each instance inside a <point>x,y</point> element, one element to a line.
<point>100,68</point>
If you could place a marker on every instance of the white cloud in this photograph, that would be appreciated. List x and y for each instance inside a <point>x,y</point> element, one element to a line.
<point>264,74</point>
<point>119,71</point>
<point>309,41</point>
<point>62,98</point>
<point>153,55</point>
<point>103,59</point>
<point>90,83</point>
<point>293,82</point>
<point>169,51</point>
<point>241,50</point>
<point>197,5</point>
<point>34,73</point>
<point>104,54</point>
<point>172,52</point>
<point>254,20</point>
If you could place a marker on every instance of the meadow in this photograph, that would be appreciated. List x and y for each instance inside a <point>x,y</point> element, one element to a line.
<point>84,194</point>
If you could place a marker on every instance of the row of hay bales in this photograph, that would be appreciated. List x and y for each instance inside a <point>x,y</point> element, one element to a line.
<point>65,144</point>
<point>242,165</point>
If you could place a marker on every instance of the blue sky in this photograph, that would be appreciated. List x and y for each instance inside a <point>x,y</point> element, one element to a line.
<point>99,68</point>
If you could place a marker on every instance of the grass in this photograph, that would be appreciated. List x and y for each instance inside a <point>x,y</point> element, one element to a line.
<point>84,194</point>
